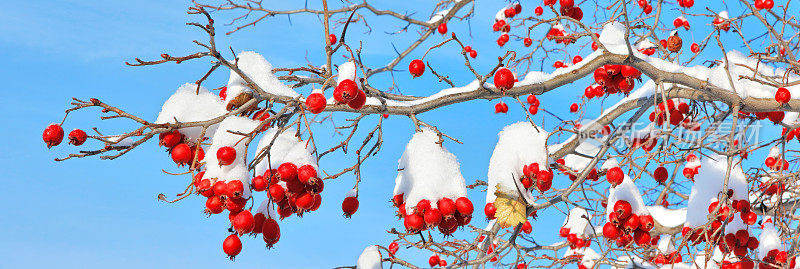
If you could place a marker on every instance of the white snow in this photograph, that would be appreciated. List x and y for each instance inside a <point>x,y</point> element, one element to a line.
<point>768,240</point>
<point>665,244</point>
<point>347,70</point>
<point>519,144</point>
<point>708,184</point>
<point>626,191</point>
<point>286,148</point>
<point>589,256</point>
<point>588,147</point>
<point>186,105</point>
<point>370,258</point>
<point>613,38</point>
<point>438,16</point>
<point>669,218</point>
<point>578,222</point>
<point>259,70</point>
<point>222,138</point>
<point>428,171</point>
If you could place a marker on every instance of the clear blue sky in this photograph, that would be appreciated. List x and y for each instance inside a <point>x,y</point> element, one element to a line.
<point>92,213</point>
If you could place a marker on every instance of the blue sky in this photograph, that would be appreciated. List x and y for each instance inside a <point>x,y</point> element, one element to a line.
<point>92,213</point>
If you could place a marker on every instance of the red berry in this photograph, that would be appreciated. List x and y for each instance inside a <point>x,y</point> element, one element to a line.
<point>464,206</point>
<point>489,210</point>
<point>307,174</point>
<point>442,28</point>
<point>359,101</point>
<point>615,176</point>
<point>243,222</point>
<point>53,135</point>
<point>346,91</point>
<point>232,246</point>
<point>413,222</point>
<point>782,96</point>
<point>259,183</point>
<point>577,59</point>
<point>432,217</point>
<point>660,174</point>
<point>226,155</point>
<point>234,188</point>
<point>77,137</point>
<point>473,54</point>
<point>170,139</point>
<point>567,3</point>
<point>646,223</point>
<point>695,48</point>
<point>446,206</point>
<point>349,206</point>
<point>433,260</point>
<point>610,231</point>
<point>503,79</point>
<point>332,39</point>
<point>214,205</point>
<point>573,108</point>
<point>315,103</point>
<point>501,107</point>
<point>235,204</point>
<point>416,67</point>
<point>538,10</point>
<point>527,41</point>
<point>271,232</point>
<point>276,192</point>
<point>526,227</point>
<point>393,247</point>
<point>287,171</point>
<point>623,209</point>
<point>181,154</point>
<point>223,93</point>
<point>258,223</point>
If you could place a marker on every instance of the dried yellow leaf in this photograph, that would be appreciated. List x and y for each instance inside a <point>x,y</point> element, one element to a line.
<point>510,211</point>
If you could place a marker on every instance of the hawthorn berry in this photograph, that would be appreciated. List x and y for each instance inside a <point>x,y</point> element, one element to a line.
<point>359,101</point>
<point>271,232</point>
<point>232,246</point>
<point>53,135</point>
<point>226,155</point>
<point>442,28</point>
<point>349,206</point>
<point>489,210</point>
<point>346,91</point>
<point>287,172</point>
<point>660,174</point>
<point>446,206</point>
<point>332,39</point>
<point>538,11</point>
<point>181,154</point>
<point>243,222</point>
<point>501,107</point>
<point>315,103</point>
<point>416,68</point>
<point>782,95</point>
<point>77,137</point>
<point>503,79</point>
<point>464,206</point>
<point>573,108</point>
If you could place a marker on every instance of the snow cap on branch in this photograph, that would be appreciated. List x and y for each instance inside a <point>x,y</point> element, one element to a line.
<point>223,137</point>
<point>370,258</point>
<point>708,184</point>
<point>259,70</point>
<point>519,144</point>
<point>428,171</point>
<point>189,104</point>
<point>286,148</point>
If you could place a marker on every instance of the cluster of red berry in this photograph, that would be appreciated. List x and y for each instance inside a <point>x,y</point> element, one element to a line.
<point>180,150</point>
<point>616,78</point>
<point>626,227</point>
<point>347,92</point>
<point>677,114</point>
<point>776,259</point>
<point>54,134</point>
<point>448,214</point>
